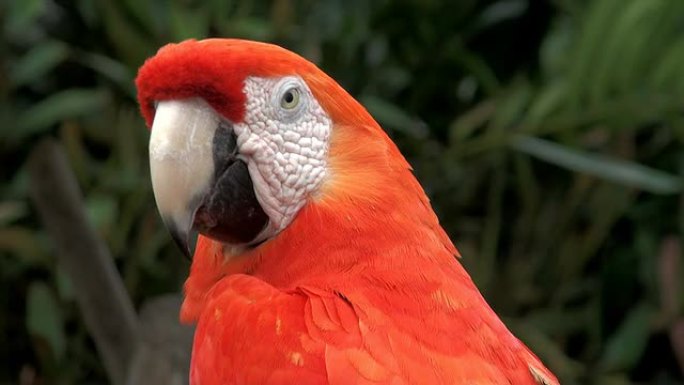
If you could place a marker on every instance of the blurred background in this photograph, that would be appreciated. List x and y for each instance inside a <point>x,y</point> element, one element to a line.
<point>548,134</point>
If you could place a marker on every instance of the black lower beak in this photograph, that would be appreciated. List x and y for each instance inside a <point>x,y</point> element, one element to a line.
<point>229,210</point>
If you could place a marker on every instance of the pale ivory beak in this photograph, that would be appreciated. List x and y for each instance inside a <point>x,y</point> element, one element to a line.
<point>181,162</point>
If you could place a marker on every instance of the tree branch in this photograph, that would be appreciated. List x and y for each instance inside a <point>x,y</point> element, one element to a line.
<point>106,307</point>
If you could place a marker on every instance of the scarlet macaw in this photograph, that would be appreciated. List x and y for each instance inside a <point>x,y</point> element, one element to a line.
<point>319,259</point>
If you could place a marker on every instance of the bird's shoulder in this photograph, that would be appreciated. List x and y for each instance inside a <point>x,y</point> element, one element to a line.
<point>356,334</point>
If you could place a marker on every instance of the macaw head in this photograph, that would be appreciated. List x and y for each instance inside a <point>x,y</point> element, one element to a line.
<point>260,152</point>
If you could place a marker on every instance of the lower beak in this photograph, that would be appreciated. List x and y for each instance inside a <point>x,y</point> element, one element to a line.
<point>200,184</point>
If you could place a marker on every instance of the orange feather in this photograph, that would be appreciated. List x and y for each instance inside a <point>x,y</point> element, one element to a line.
<point>363,287</point>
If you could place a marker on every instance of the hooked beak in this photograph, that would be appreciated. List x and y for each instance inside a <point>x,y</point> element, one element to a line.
<point>199,182</point>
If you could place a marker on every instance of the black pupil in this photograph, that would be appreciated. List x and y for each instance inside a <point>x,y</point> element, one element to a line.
<point>288,97</point>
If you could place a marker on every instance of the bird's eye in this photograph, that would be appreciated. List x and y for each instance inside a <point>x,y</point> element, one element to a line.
<point>290,98</point>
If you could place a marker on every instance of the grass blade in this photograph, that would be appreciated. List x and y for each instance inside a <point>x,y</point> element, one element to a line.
<point>611,169</point>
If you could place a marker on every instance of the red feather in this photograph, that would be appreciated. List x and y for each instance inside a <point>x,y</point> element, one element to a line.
<point>362,287</point>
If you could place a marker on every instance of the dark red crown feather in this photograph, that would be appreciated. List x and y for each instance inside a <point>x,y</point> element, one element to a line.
<point>214,70</point>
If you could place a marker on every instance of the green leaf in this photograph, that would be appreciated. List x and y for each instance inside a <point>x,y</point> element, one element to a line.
<point>640,45</point>
<point>465,125</point>
<point>611,169</point>
<point>586,53</point>
<point>22,13</point>
<point>131,44</point>
<point>44,319</point>
<point>625,347</point>
<point>393,117</point>
<point>624,34</point>
<point>499,12</point>
<point>37,62</point>
<point>112,70</point>
<point>66,104</point>
<point>102,210</point>
<point>547,101</point>
<point>65,287</point>
<point>188,23</point>
<point>142,11</point>
<point>252,28</point>
<point>669,67</point>
<point>511,106</point>
<point>555,49</point>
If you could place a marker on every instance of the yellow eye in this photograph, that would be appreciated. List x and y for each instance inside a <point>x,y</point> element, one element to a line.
<point>290,98</point>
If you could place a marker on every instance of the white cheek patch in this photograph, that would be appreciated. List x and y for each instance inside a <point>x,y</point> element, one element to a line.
<point>285,152</point>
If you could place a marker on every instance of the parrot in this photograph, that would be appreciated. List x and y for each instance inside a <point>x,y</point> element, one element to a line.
<point>316,256</point>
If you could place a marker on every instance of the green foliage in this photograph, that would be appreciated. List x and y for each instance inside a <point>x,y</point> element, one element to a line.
<point>548,135</point>
<point>43,319</point>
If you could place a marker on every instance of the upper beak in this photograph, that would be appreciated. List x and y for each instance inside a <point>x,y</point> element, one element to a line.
<point>198,181</point>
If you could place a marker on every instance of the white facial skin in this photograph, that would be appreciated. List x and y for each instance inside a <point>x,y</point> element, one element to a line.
<point>284,140</point>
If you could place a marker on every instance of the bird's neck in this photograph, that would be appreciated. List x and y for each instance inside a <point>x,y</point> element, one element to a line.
<point>395,231</point>
<point>365,221</point>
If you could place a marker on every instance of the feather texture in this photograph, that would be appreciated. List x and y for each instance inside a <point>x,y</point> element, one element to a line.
<point>363,287</point>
